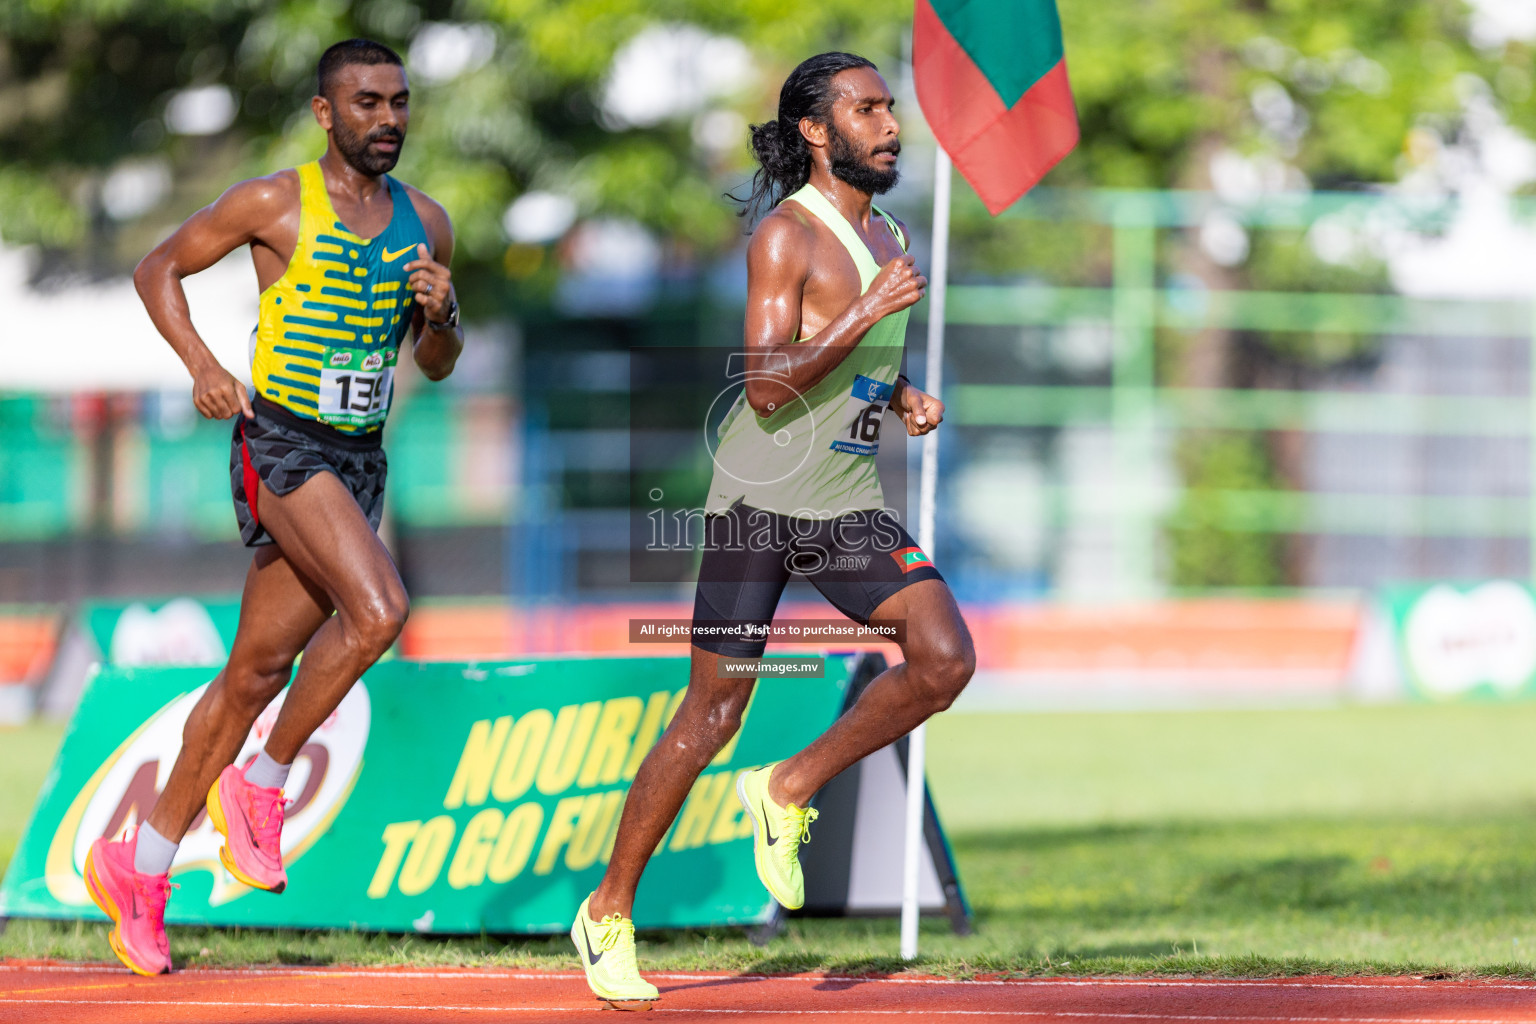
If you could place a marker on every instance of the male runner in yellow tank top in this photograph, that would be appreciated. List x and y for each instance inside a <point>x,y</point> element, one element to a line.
<point>828,288</point>
<point>348,261</point>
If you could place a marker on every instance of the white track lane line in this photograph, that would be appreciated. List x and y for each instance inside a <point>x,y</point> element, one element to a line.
<point>1030,1014</point>
<point>499,974</point>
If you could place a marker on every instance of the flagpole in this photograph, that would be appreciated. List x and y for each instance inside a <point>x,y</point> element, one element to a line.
<point>938,272</point>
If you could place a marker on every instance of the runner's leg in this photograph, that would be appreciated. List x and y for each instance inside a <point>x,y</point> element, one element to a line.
<point>939,662</point>
<point>323,532</point>
<point>739,583</point>
<point>280,610</point>
<point>705,721</point>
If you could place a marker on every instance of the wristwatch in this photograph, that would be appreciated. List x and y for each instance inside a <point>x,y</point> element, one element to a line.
<point>451,321</point>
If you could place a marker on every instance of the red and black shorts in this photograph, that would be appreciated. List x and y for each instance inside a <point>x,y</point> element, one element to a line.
<point>282,451</point>
<point>856,560</point>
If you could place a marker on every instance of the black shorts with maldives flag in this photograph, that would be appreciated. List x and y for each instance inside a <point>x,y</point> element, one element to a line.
<point>282,451</point>
<point>857,560</point>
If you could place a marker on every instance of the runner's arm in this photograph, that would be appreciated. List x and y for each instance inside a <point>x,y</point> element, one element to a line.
<point>778,265</point>
<point>919,411</point>
<point>436,351</point>
<point>236,218</point>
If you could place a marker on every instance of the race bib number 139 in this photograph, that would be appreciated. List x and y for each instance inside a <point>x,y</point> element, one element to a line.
<point>355,385</point>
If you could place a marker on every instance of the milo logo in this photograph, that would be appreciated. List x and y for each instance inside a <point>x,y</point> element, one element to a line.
<point>373,361</point>
<point>341,358</point>
<point>124,788</point>
<point>1456,640</point>
<point>180,633</point>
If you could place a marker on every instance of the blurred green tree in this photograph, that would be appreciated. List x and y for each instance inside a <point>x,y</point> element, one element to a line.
<point>119,117</point>
<point>1334,90</point>
<point>514,101</point>
<point>1248,98</point>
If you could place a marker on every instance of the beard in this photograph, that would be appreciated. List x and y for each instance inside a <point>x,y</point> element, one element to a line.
<point>357,149</point>
<point>858,169</point>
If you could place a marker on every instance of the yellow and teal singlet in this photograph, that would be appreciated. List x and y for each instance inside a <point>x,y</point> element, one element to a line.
<point>330,328</point>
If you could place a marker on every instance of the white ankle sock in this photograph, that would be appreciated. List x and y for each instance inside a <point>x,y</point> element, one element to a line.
<point>267,773</point>
<point>154,852</point>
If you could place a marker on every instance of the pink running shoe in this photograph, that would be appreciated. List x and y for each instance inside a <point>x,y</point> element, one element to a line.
<point>251,818</point>
<point>134,902</point>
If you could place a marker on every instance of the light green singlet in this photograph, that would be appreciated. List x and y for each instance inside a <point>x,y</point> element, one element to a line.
<point>814,458</point>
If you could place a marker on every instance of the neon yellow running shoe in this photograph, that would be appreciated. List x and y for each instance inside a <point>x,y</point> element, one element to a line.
<point>607,952</point>
<point>777,833</point>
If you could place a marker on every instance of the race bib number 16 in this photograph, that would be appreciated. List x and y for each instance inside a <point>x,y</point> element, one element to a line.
<point>862,410</point>
<point>355,385</point>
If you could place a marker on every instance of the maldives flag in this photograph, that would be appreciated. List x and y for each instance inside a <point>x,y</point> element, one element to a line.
<point>992,82</point>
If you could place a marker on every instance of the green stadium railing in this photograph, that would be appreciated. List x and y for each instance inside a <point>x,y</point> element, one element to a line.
<point>1136,408</point>
<point>177,481</point>
<point>44,472</point>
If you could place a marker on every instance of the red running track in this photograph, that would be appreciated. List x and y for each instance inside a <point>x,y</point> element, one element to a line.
<point>101,992</point>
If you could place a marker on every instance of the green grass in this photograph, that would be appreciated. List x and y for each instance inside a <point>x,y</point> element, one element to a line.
<point>26,754</point>
<point>1025,771</point>
<point>1356,840</point>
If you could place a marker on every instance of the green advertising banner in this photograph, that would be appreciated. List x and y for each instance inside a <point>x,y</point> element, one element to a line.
<point>446,798</point>
<point>177,631</point>
<point>1463,641</point>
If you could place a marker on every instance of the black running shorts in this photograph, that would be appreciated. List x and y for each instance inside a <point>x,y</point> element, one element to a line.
<point>282,452</point>
<point>857,561</point>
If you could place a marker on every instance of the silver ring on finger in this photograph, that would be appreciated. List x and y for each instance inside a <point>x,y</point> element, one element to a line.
<point>429,287</point>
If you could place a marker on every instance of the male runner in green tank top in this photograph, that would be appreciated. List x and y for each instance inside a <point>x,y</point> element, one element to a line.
<point>795,490</point>
<point>349,261</point>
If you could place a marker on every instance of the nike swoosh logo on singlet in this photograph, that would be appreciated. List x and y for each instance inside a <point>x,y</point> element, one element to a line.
<point>390,257</point>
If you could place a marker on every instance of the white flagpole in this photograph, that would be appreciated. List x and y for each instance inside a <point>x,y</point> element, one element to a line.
<point>928,487</point>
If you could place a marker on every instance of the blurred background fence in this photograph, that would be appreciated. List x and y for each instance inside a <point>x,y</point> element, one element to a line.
<point>1381,437</point>
<point>1111,523</point>
<point>1244,380</point>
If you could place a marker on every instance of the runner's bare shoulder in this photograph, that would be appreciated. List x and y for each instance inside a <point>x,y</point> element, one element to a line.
<point>256,205</point>
<point>269,194</point>
<point>783,239</point>
<point>433,217</point>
